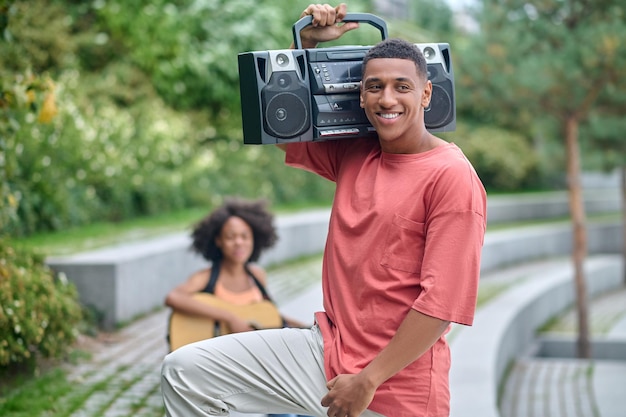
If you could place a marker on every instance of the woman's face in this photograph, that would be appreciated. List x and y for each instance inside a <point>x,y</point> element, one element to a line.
<point>236,240</point>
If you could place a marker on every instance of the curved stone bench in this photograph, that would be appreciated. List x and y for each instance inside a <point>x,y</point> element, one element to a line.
<point>126,281</point>
<point>553,205</point>
<point>505,328</point>
<point>523,244</point>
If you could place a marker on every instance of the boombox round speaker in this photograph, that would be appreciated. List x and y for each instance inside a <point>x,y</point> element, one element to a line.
<point>440,111</point>
<point>286,108</point>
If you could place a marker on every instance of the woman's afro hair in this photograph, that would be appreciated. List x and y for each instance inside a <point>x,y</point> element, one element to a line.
<point>253,212</point>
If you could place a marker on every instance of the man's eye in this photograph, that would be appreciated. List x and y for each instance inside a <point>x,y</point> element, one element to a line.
<point>373,87</point>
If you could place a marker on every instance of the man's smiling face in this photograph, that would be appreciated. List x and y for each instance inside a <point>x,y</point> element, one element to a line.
<point>393,96</point>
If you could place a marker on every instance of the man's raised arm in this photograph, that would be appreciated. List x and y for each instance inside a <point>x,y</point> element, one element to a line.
<point>324,27</point>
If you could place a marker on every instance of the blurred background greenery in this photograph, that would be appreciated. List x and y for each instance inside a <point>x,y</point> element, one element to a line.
<point>113,110</point>
<point>125,110</point>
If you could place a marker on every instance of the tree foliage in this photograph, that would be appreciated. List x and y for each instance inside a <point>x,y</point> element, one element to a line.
<point>433,16</point>
<point>533,59</point>
<point>131,108</point>
<point>552,62</point>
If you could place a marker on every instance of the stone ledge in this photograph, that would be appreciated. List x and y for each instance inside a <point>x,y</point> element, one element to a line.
<point>125,281</point>
<point>513,246</point>
<point>562,346</point>
<point>505,329</point>
<point>554,205</point>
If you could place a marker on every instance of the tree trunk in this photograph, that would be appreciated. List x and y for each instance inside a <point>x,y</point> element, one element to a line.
<point>623,169</point>
<point>579,253</point>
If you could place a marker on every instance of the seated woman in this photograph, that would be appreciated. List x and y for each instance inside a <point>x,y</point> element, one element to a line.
<point>231,238</point>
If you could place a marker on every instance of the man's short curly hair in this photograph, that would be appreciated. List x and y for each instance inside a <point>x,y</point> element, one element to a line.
<point>398,48</point>
<point>253,212</point>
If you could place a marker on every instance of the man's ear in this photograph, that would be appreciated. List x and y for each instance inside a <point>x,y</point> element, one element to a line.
<point>427,93</point>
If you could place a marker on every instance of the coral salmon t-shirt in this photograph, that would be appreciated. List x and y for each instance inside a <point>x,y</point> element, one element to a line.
<point>406,232</point>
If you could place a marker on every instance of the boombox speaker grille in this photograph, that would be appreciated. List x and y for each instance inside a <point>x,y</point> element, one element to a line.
<point>286,115</point>
<point>439,111</point>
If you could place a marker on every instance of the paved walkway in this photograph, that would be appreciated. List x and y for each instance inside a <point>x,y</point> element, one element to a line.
<point>123,375</point>
<point>562,387</point>
<point>127,362</point>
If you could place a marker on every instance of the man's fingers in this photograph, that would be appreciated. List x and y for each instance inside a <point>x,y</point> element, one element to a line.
<point>330,384</point>
<point>326,17</point>
<point>324,14</point>
<point>341,11</point>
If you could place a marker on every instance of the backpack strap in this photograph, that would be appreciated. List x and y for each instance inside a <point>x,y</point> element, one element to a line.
<point>215,272</point>
<point>266,296</point>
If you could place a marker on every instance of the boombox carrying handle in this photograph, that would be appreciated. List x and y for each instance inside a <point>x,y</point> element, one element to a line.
<point>373,20</point>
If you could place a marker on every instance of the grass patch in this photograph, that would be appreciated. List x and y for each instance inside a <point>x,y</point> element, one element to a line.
<point>595,218</point>
<point>36,395</point>
<point>489,291</point>
<point>98,235</point>
<point>102,234</point>
<point>294,262</point>
<point>52,394</point>
<point>550,324</point>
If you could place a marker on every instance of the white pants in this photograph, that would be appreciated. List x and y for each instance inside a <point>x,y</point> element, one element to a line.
<point>263,371</point>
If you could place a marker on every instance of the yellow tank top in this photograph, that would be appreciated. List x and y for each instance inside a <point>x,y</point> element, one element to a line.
<point>249,296</point>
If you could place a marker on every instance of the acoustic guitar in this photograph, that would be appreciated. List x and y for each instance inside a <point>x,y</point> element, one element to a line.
<point>185,329</point>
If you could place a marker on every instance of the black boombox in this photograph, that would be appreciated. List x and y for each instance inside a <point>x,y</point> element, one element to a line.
<point>300,95</point>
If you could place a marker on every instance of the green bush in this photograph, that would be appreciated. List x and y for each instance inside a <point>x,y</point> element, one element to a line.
<point>93,160</point>
<point>39,315</point>
<point>504,160</point>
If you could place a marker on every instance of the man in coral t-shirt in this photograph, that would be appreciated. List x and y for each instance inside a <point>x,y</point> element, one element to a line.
<point>401,263</point>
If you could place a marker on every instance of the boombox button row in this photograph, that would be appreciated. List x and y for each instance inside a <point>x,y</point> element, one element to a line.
<point>338,88</point>
<point>339,132</point>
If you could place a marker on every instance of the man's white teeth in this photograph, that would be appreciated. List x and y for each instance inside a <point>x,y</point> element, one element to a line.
<point>389,115</point>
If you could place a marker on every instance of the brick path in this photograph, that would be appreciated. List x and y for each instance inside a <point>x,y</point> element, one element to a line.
<point>123,373</point>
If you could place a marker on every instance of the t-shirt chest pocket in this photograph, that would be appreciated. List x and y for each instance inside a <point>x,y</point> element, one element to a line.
<point>404,245</point>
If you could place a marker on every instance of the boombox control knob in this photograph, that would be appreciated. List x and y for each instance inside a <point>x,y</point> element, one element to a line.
<point>281,114</point>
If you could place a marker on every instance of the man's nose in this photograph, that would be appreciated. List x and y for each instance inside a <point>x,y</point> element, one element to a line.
<point>387,97</point>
